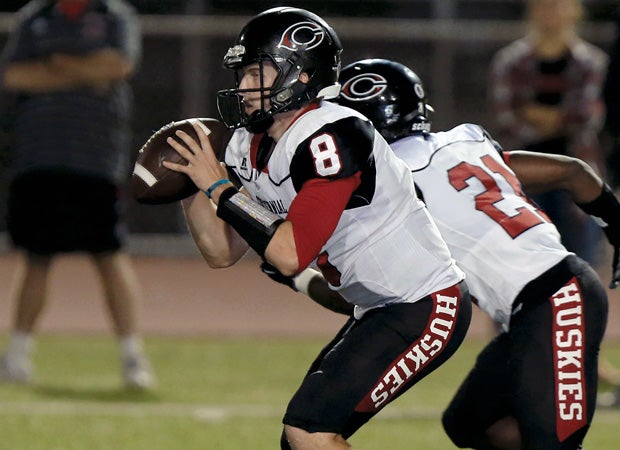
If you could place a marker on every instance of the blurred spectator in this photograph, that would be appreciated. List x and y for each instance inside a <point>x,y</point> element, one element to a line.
<point>611,96</point>
<point>68,61</point>
<point>546,93</point>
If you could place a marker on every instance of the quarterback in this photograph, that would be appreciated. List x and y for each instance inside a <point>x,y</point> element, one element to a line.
<point>319,185</point>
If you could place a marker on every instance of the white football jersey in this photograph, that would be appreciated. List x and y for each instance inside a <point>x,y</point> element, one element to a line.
<point>385,248</point>
<point>499,239</point>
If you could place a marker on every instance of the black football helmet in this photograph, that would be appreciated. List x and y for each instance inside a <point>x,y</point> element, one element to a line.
<point>390,94</point>
<point>295,41</point>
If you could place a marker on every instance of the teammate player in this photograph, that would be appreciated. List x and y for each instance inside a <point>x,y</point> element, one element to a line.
<point>324,186</point>
<point>534,386</point>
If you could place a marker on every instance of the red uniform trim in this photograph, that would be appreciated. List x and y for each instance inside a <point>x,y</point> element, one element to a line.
<point>312,105</point>
<point>568,355</point>
<point>315,213</point>
<point>506,156</point>
<point>405,369</point>
<point>254,144</point>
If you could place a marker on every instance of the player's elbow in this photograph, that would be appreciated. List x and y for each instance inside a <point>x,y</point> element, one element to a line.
<point>287,265</point>
<point>576,168</point>
<point>216,257</point>
<point>282,251</point>
<point>581,180</point>
<point>284,259</point>
<point>217,263</point>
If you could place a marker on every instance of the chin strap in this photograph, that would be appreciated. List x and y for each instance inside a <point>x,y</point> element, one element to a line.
<point>259,122</point>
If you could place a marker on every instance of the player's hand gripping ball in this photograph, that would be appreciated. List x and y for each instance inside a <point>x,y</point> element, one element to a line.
<point>152,183</point>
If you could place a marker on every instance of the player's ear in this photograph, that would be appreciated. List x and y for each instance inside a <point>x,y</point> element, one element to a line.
<point>304,77</point>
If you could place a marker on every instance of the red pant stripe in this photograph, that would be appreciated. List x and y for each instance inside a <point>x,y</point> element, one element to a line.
<point>568,347</point>
<point>418,355</point>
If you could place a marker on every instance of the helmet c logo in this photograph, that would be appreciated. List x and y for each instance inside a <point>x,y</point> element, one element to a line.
<point>363,87</point>
<point>307,34</point>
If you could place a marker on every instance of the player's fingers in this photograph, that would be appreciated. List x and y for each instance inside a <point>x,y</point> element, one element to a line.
<point>176,167</point>
<point>180,148</point>
<point>203,136</point>
<point>190,142</point>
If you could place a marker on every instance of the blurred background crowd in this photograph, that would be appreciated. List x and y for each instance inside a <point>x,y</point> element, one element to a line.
<point>450,44</point>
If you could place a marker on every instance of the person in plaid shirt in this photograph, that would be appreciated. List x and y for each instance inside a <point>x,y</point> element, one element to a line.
<point>546,95</point>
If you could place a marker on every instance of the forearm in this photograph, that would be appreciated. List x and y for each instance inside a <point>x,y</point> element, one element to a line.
<point>61,72</point>
<point>282,251</point>
<point>540,173</point>
<point>319,291</point>
<point>101,66</point>
<point>265,232</point>
<point>311,283</point>
<point>586,185</point>
<point>218,243</point>
<point>36,77</point>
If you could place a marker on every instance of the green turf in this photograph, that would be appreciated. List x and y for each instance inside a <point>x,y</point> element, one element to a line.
<point>213,394</point>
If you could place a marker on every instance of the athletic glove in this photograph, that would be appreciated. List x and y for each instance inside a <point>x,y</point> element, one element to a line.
<point>605,209</point>
<point>613,236</point>
<point>298,283</point>
<point>277,276</point>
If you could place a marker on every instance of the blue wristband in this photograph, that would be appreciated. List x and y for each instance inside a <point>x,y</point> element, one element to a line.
<point>215,185</point>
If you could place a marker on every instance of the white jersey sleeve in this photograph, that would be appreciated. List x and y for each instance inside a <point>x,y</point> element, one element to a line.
<point>498,237</point>
<point>385,248</point>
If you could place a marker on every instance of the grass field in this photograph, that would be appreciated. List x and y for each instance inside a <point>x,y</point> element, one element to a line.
<point>213,394</point>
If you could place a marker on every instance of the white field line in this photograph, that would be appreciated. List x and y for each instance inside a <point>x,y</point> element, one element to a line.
<point>207,413</point>
<point>213,413</point>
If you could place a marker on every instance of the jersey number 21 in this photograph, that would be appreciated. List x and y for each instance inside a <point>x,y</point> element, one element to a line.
<point>485,201</point>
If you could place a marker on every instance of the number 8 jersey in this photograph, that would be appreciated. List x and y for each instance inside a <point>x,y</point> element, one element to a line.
<point>381,246</point>
<point>498,237</point>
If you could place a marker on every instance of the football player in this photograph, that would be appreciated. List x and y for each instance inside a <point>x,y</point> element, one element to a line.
<point>320,185</point>
<point>534,386</point>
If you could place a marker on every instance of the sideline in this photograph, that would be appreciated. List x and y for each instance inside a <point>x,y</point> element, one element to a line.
<point>214,413</point>
<point>142,244</point>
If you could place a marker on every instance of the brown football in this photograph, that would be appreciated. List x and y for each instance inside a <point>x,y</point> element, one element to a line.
<point>152,183</point>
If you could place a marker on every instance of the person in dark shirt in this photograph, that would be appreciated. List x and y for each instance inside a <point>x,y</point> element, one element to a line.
<point>67,62</point>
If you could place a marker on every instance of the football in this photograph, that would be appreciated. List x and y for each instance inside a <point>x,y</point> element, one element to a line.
<point>151,182</point>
